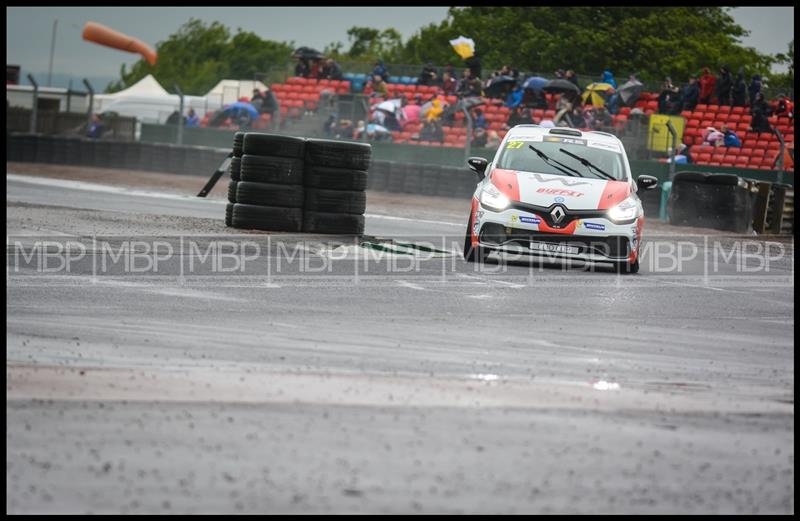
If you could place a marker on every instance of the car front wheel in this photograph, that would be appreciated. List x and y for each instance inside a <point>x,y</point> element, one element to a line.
<point>473,253</point>
<point>627,267</point>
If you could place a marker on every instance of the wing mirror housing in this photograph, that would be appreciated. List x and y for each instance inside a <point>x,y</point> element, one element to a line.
<point>646,182</point>
<point>478,165</point>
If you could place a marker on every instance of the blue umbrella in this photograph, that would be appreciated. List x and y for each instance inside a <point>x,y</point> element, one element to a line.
<point>235,109</point>
<point>535,83</point>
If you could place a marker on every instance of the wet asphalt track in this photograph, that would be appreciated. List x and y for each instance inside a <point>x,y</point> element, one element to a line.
<point>375,387</point>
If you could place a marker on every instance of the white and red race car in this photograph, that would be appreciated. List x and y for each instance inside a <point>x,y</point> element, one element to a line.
<point>558,193</point>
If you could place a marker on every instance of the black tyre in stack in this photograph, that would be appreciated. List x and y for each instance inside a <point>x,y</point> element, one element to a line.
<point>234,168</point>
<point>268,194</point>
<point>335,180</point>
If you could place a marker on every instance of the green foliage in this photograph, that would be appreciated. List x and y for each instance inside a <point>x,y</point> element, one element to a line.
<point>785,80</point>
<point>652,41</point>
<point>199,55</point>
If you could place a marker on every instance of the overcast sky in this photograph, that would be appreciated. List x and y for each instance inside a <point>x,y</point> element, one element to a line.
<point>29,29</point>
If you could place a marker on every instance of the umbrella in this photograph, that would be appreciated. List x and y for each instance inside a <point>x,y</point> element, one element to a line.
<point>630,91</point>
<point>535,83</point>
<point>597,92</point>
<point>496,86</point>
<point>391,106</point>
<point>464,47</point>
<point>562,86</point>
<point>308,53</point>
<point>239,107</point>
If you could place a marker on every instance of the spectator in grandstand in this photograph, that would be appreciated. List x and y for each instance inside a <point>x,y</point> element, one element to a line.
<point>427,75</point>
<point>96,127</point>
<point>193,120</point>
<point>576,119</point>
<point>514,97</point>
<point>302,68</point>
<point>469,85</point>
<point>380,70</point>
<point>520,116</point>
<point>602,119</point>
<point>411,114</point>
<point>681,155</point>
<point>331,70</point>
<point>493,139</point>
<point>450,69</point>
<point>754,87</point>
<point>708,84</point>
<point>573,78</point>
<point>724,86</point>
<point>730,139</point>
<point>608,77</point>
<point>379,88</point>
<point>739,91</point>
<point>479,120</point>
<point>449,84</point>
<point>479,137</point>
<point>432,131</point>
<point>670,98</point>
<point>760,111</point>
<point>784,107</point>
<point>534,99</point>
<point>474,64</point>
<point>713,137</point>
<point>691,94</point>
<point>560,74</point>
<point>270,103</point>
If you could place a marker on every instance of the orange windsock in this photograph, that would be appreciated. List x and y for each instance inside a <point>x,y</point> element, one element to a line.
<point>103,35</point>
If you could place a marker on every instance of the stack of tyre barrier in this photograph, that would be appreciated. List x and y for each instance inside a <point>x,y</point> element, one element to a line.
<point>269,191</point>
<point>719,201</point>
<point>335,182</point>
<point>235,170</point>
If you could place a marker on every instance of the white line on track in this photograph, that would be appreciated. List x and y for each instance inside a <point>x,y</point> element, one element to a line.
<point>95,187</point>
<point>393,218</point>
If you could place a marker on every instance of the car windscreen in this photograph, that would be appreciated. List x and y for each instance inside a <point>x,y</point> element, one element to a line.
<point>562,156</point>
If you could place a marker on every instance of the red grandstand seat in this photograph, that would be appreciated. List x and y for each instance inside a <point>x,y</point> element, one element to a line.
<point>693,123</point>
<point>701,107</point>
<point>732,151</point>
<point>718,157</point>
<point>737,110</point>
<point>742,160</point>
<point>704,158</point>
<point>728,163</point>
<point>625,111</point>
<point>706,123</point>
<point>714,163</point>
<point>746,152</point>
<point>686,114</point>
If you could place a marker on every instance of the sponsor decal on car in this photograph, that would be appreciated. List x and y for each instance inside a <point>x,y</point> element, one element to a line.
<point>513,218</point>
<point>594,226</point>
<point>560,179</point>
<point>559,191</point>
<point>559,199</point>
<point>530,220</point>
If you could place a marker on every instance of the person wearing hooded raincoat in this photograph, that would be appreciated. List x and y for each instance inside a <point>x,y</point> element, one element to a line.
<point>760,112</point>
<point>754,87</point>
<point>514,98</point>
<point>724,85</point>
<point>708,83</point>
<point>739,91</point>
<point>608,77</point>
<point>691,94</point>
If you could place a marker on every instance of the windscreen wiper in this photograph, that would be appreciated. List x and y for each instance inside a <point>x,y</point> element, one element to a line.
<point>561,166</point>
<point>585,162</point>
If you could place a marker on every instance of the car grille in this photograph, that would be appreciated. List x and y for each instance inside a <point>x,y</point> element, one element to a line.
<point>615,246</point>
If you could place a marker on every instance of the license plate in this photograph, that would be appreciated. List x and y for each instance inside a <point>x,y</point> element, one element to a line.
<point>554,248</point>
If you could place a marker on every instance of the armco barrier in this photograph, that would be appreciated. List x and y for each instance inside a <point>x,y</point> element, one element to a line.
<point>723,202</point>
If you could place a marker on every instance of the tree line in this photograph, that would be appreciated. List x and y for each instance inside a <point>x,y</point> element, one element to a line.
<point>653,42</point>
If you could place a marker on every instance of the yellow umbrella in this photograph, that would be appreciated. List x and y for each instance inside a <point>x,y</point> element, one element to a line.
<point>597,93</point>
<point>464,47</point>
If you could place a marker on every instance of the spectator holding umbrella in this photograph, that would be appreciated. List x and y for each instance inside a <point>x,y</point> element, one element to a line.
<point>707,85</point>
<point>724,86</point>
<point>573,78</point>
<point>608,77</point>
<point>739,90</point>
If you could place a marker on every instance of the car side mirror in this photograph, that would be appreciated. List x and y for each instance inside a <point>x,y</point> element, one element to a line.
<point>478,165</point>
<point>646,182</point>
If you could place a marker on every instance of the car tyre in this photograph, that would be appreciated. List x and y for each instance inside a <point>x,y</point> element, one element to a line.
<point>473,253</point>
<point>627,268</point>
<point>272,218</point>
<point>260,144</point>
<point>338,154</point>
<point>263,194</point>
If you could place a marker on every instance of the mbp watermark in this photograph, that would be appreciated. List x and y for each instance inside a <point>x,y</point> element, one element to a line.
<point>767,260</point>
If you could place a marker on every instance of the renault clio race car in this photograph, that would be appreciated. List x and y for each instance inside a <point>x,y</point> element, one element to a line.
<point>557,193</point>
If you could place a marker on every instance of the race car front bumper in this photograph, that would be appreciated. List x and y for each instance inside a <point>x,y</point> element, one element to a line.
<point>519,232</point>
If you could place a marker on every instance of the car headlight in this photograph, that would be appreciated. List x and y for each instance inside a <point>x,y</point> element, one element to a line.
<point>494,199</point>
<point>626,211</point>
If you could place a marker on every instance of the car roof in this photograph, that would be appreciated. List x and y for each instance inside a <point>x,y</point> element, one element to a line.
<point>521,131</point>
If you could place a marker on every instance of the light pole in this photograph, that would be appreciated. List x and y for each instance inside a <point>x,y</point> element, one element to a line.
<point>52,51</point>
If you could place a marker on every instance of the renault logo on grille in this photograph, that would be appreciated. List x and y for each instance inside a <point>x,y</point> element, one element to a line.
<point>557,214</point>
